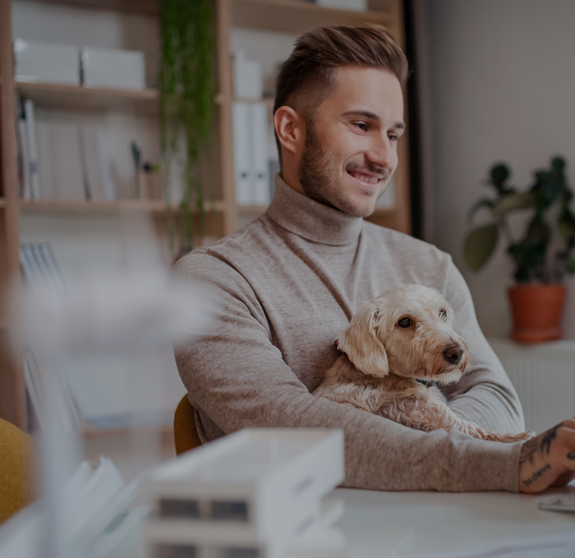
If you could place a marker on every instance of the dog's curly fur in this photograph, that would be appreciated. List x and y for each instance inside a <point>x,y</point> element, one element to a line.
<point>402,336</point>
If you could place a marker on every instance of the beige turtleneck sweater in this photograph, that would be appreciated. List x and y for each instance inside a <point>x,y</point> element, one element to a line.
<point>282,289</point>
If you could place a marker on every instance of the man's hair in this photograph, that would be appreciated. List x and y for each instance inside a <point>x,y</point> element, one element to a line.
<point>308,74</point>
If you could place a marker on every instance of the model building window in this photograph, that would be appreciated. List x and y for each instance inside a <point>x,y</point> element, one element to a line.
<point>234,511</point>
<point>179,508</point>
<point>175,551</point>
<point>239,553</point>
<point>217,510</point>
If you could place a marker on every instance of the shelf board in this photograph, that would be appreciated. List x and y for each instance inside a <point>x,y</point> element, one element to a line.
<point>92,432</point>
<point>252,208</point>
<point>269,101</point>
<point>55,95</point>
<point>292,16</point>
<point>144,206</point>
<point>147,7</point>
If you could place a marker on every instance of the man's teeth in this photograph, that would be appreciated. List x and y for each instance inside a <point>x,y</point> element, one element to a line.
<point>365,178</point>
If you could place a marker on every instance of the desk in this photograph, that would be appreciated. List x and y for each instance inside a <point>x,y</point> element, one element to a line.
<point>374,523</point>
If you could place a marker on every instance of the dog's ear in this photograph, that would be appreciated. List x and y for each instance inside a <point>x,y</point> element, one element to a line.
<point>362,345</point>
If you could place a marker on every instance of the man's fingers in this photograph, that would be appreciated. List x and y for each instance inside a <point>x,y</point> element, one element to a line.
<point>563,479</point>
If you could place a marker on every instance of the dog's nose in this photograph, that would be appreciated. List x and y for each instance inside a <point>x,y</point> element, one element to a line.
<point>453,354</point>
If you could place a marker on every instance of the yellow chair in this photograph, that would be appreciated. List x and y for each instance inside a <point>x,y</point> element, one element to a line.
<point>185,431</point>
<point>16,470</point>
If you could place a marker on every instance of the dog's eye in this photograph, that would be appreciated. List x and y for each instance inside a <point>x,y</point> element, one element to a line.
<point>404,322</point>
<point>443,314</point>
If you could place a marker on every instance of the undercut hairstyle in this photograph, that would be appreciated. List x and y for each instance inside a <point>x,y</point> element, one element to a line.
<point>307,76</point>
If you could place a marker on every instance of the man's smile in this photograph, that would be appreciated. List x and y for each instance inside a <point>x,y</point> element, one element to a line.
<point>365,177</point>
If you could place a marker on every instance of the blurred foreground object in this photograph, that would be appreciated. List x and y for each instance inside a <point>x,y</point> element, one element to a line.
<point>129,313</point>
<point>16,470</point>
<point>254,494</point>
<point>541,258</point>
<point>94,504</point>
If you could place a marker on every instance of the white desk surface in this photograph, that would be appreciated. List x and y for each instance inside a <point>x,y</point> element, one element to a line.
<point>375,523</point>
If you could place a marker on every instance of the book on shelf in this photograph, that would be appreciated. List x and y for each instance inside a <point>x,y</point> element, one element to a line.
<point>68,161</point>
<point>32,149</point>
<point>22,151</point>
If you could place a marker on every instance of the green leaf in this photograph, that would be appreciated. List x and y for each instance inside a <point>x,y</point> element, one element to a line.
<point>566,224</point>
<point>499,174</point>
<point>570,265</point>
<point>479,245</point>
<point>489,204</point>
<point>558,164</point>
<point>513,202</point>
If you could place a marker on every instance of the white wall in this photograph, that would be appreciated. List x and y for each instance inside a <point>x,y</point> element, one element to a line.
<point>502,83</point>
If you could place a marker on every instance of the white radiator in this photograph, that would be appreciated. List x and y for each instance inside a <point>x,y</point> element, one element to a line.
<point>544,377</point>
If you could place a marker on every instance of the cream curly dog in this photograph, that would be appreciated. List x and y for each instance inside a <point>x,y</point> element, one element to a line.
<point>399,338</point>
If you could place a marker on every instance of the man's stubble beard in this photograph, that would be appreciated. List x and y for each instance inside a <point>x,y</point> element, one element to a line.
<point>317,174</point>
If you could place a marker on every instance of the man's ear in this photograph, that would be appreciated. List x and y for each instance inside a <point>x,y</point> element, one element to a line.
<point>290,130</point>
<point>362,345</point>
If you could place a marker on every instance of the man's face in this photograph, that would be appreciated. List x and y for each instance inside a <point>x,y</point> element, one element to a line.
<point>351,145</point>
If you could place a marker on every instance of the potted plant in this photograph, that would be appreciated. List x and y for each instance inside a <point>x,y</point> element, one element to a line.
<point>542,256</point>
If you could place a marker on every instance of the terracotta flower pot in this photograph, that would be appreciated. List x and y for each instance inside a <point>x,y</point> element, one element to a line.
<point>536,312</point>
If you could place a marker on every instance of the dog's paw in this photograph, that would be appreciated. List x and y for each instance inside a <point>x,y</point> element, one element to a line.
<point>510,438</point>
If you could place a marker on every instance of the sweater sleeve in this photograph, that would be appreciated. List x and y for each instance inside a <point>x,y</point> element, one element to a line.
<point>485,394</point>
<point>236,378</point>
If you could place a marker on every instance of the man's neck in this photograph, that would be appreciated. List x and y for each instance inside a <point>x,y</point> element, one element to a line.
<point>291,179</point>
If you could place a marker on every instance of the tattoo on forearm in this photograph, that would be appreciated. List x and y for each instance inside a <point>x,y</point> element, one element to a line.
<point>536,475</point>
<point>571,455</point>
<point>550,435</point>
<point>541,443</point>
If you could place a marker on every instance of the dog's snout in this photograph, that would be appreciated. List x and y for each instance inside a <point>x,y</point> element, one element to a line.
<point>453,354</point>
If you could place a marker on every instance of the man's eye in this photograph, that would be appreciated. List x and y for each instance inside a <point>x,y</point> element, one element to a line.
<point>361,126</point>
<point>404,322</point>
<point>443,314</point>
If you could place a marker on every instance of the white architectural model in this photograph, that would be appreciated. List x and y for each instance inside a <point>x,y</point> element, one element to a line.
<point>254,494</point>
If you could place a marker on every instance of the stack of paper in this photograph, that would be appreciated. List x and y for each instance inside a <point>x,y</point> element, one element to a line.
<point>95,518</point>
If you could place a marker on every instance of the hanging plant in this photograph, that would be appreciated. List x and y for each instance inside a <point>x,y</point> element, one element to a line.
<point>187,107</point>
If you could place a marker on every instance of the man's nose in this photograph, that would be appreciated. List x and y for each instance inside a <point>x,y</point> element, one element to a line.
<point>383,153</point>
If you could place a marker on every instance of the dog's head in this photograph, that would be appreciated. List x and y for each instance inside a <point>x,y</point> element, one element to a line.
<point>409,332</point>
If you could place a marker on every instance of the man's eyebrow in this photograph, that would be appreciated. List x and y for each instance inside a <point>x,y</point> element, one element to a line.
<point>371,116</point>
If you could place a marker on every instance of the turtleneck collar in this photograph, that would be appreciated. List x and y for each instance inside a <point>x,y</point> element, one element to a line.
<point>310,219</point>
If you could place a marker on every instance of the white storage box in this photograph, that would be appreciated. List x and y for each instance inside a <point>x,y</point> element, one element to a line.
<point>46,62</point>
<point>355,5</point>
<point>118,69</point>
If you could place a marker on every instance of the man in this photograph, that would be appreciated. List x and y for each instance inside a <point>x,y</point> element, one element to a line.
<point>285,286</point>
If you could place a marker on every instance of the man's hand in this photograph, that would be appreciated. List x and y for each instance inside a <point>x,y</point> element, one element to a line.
<point>549,459</point>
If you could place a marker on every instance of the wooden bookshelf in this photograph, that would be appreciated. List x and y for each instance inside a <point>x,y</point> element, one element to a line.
<point>12,386</point>
<point>290,16</point>
<point>54,95</point>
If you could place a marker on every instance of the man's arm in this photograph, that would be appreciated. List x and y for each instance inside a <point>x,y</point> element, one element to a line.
<point>237,377</point>
<point>549,459</point>
<point>485,394</point>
